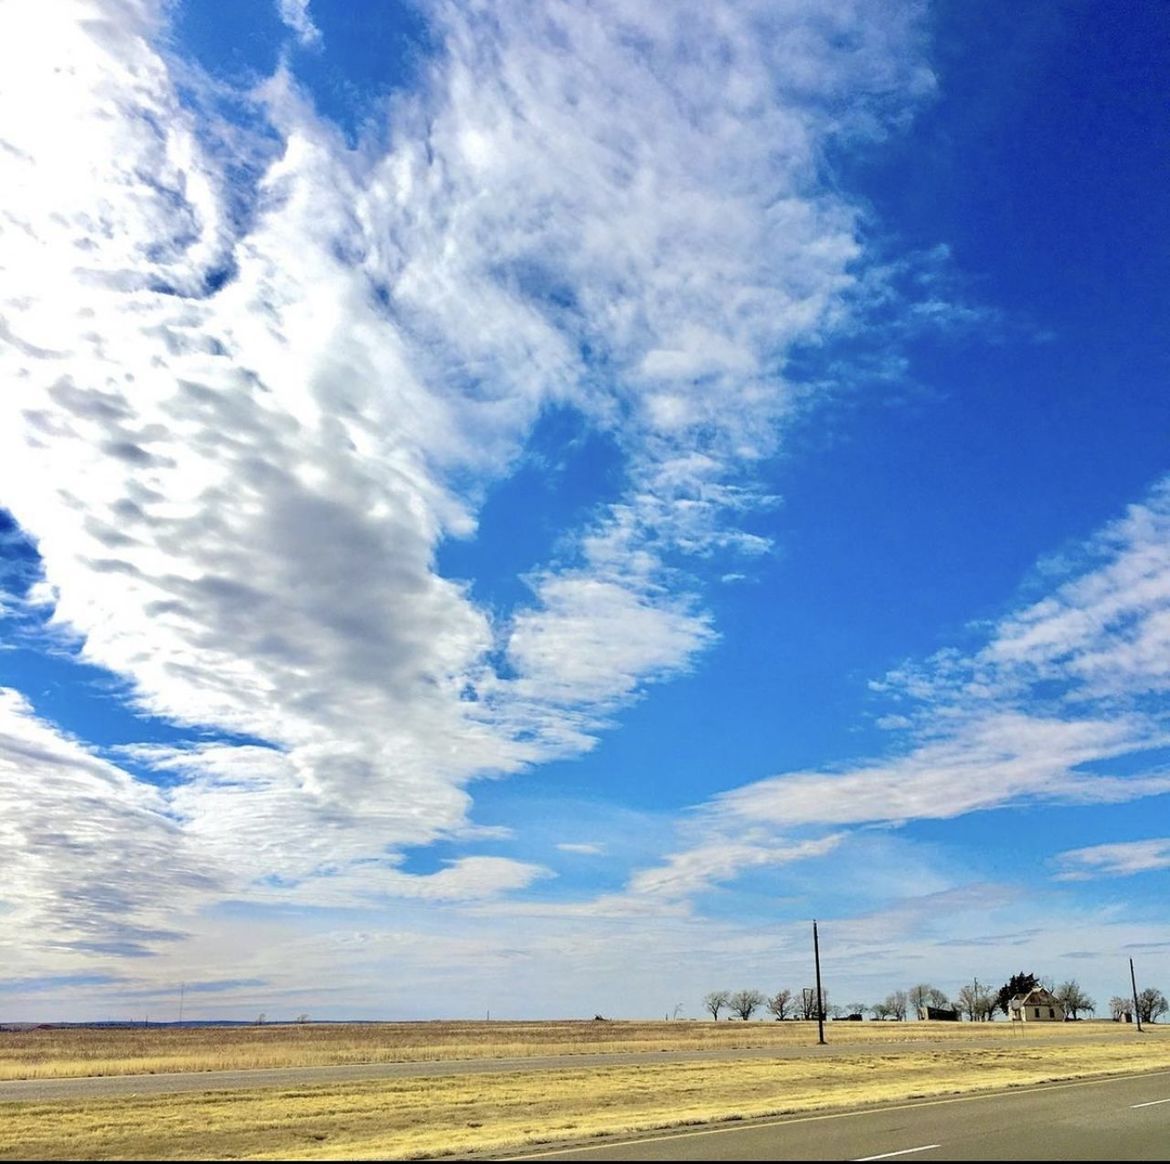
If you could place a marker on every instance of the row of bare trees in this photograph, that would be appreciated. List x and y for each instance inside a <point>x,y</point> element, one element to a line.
<point>784,1004</point>
<point>1152,1004</point>
<point>974,1002</point>
<point>802,1004</point>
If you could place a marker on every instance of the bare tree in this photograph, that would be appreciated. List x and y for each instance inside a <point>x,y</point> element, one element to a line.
<point>779,1004</point>
<point>1151,1004</point>
<point>1119,1008</point>
<point>746,1002</point>
<point>896,1005</point>
<point>809,1003</point>
<point>716,1001</point>
<point>302,1018</point>
<point>976,1002</point>
<point>924,995</point>
<point>968,1003</point>
<point>1074,999</point>
<point>988,1008</point>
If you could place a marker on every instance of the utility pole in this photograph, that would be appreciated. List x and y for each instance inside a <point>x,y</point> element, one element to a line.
<point>1137,1010</point>
<point>182,991</point>
<point>820,1004</point>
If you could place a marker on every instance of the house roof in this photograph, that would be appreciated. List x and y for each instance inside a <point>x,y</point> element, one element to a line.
<point>1038,996</point>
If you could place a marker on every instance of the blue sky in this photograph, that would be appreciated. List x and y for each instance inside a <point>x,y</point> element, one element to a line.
<point>520,509</point>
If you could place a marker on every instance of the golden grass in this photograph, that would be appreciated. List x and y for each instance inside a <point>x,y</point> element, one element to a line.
<point>67,1051</point>
<point>58,1052</point>
<point>438,1115</point>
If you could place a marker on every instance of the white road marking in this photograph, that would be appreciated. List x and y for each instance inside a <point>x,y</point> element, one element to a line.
<point>1152,1103</point>
<point>901,1152</point>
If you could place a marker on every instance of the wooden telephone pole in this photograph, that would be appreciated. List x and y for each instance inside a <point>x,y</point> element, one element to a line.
<point>820,1004</point>
<point>1137,1010</point>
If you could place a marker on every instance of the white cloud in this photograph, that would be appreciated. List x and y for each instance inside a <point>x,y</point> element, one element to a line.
<point>96,866</point>
<point>686,873</point>
<point>1120,859</point>
<point>593,639</point>
<point>1107,631</point>
<point>101,866</point>
<point>295,13</point>
<point>371,882</point>
<point>989,761</point>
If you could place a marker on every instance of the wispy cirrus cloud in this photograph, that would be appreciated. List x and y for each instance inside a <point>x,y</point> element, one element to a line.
<point>1120,859</point>
<point>692,871</point>
<point>1053,709</point>
<point>990,761</point>
<point>1106,631</point>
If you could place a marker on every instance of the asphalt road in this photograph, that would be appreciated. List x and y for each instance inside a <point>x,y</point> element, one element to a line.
<point>169,1083</point>
<point>95,1086</point>
<point>1121,1118</point>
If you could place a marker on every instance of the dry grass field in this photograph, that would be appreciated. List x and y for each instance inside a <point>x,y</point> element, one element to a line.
<point>440,1115</point>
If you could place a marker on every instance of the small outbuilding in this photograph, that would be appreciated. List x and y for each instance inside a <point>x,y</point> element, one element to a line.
<point>937,1014</point>
<point>1037,1006</point>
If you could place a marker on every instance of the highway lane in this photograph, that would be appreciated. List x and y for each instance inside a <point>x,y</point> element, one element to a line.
<point>1120,1118</point>
<point>160,1083</point>
<point>170,1083</point>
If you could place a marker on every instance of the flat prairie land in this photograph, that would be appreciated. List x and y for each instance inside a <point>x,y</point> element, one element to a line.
<point>680,1073</point>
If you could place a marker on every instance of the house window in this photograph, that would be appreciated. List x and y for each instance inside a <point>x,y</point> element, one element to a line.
<point>1051,1012</point>
<point>1037,1012</point>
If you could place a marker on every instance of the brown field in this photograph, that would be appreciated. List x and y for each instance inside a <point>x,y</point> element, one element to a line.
<point>452,1115</point>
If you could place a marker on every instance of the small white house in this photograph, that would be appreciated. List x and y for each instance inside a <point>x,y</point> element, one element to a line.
<point>1037,1006</point>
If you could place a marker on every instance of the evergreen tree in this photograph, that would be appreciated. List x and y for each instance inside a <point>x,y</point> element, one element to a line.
<point>1019,983</point>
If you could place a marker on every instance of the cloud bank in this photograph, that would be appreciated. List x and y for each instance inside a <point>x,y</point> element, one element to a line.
<point>246,413</point>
